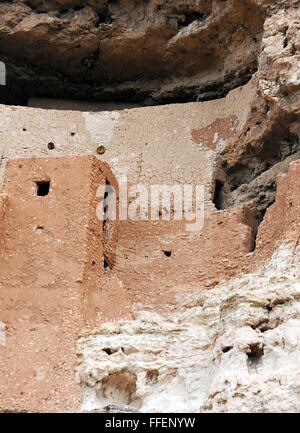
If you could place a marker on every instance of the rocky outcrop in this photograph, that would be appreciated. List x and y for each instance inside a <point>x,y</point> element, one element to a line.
<point>214,325</point>
<point>227,350</point>
<point>272,130</point>
<point>155,52</point>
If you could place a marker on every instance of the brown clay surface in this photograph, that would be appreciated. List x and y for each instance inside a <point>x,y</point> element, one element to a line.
<point>282,220</point>
<point>220,129</point>
<point>43,320</point>
<point>52,253</point>
<point>53,284</point>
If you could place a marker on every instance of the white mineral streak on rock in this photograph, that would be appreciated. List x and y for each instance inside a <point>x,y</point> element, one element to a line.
<point>232,348</point>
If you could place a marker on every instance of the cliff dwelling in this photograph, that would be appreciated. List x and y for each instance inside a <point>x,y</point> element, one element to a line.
<point>149,206</point>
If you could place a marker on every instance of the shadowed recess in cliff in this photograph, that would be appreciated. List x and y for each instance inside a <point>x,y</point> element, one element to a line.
<point>151,52</point>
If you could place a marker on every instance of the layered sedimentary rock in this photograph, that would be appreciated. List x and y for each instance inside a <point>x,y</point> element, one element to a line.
<point>210,317</point>
<point>156,51</point>
<point>152,51</point>
<point>222,296</point>
<point>272,129</point>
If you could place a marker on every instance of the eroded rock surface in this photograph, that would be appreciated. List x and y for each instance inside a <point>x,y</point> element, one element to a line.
<point>231,348</point>
<point>226,350</point>
<point>156,51</point>
<point>216,313</point>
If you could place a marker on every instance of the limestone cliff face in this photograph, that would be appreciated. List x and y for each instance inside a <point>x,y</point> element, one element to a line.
<point>156,51</point>
<point>234,348</point>
<point>215,320</point>
<point>272,129</point>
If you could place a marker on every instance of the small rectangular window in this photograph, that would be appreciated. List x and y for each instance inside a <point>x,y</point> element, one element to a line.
<point>42,188</point>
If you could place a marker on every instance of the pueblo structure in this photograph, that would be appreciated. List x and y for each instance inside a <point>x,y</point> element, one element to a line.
<point>137,312</point>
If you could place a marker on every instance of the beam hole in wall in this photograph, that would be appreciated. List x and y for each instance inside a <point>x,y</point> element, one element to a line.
<point>42,188</point>
<point>105,264</point>
<point>110,351</point>
<point>227,349</point>
<point>101,150</point>
<point>167,253</point>
<point>51,146</point>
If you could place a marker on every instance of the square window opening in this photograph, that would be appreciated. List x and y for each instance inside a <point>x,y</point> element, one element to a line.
<point>42,188</point>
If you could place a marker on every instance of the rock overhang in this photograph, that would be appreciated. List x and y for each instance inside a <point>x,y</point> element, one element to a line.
<point>153,53</point>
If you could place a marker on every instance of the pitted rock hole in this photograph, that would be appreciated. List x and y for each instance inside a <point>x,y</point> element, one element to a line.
<point>118,387</point>
<point>152,376</point>
<point>110,351</point>
<point>227,349</point>
<point>255,354</point>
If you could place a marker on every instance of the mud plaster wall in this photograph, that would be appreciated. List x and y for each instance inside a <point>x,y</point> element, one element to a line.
<point>47,238</point>
<point>51,255</point>
<point>169,144</point>
<point>149,145</point>
<point>172,144</point>
<point>281,222</point>
<point>3,204</point>
<point>223,349</point>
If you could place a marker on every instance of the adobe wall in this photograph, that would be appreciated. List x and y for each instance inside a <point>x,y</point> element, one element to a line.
<point>3,205</point>
<point>153,145</point>
<point>281,223</point>
<point>160,144</point>
<point>156,264</point>
<point>171,144</point>
<point>56,228</point>
<point>224,347</point>
<point>52,258</point>
<point>158,260</point>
